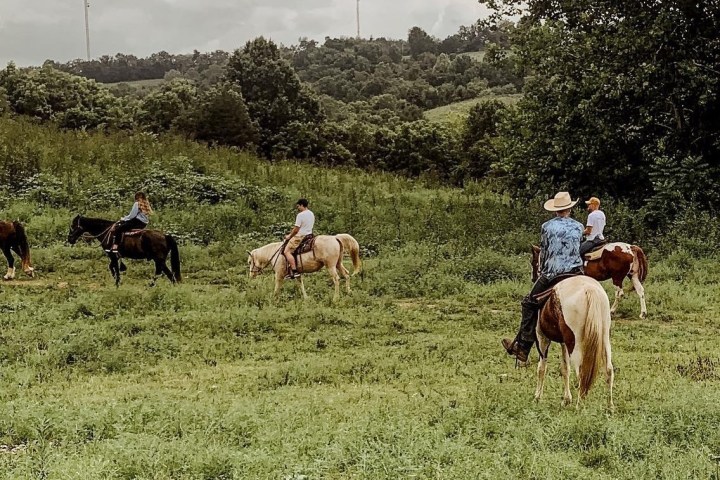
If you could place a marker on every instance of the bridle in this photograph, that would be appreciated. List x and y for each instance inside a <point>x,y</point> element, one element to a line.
<point>255,269</point>
<point>86,234</point>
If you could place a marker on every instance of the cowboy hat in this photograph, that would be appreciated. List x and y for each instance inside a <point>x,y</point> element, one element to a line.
<point>561,201</point>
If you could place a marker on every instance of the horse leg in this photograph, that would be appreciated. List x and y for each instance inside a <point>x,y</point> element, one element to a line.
<point>641,293</point>
<point>161,267</point>
<point>158,272</point>
<point>115,269</point>
<point>29,271</point>
<point>302,288</point>
<point>618,295</point>
<point>564,369</point>
<point>609,370</point>
<point>543,347</point>
<point>336,281</point>
<point>346,274</point>
<point>11,264</point>
<point>278,282</point>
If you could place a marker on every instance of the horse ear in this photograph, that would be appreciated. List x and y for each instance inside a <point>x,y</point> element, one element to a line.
<point>249,252</point>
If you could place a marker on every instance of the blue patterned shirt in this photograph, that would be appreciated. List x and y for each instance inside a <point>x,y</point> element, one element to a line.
<point>560,240</point>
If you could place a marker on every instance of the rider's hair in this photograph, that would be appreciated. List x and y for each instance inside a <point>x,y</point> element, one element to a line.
<point>302,202</point>
<point>143,203</point>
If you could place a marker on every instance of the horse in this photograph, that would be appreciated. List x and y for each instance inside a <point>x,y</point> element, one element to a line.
<point>143,245</point>
<point>614,261</point>
<point>14,239</point>
<point>327,252</point>
<point>576,314</point>
<point>351,247</point>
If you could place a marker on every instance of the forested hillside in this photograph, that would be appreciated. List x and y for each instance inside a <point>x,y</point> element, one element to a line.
<point>625,109</point>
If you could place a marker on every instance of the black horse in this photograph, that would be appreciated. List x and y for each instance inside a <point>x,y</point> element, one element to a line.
<point>144,245</point>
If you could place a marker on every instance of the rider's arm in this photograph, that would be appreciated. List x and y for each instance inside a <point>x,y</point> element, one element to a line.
<point>588,230</point>
<point>292,233</point>
<point>133,213</point>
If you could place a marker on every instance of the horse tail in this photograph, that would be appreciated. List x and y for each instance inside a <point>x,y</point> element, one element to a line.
<point>174,257</point>
<point>593,341</point>
<point>339,264</point>
<point>22,244</point>
<point>640,263</point>
<point>352,248</point>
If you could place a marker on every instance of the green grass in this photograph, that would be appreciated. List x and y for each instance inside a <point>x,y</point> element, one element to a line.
<point>456,110</point>
<point>140,84</point>
<point>215,379</point>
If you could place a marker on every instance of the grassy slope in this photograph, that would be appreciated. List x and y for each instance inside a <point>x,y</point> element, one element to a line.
<point>460,109</point>
<point>403,378</point>
<point>152,83</point>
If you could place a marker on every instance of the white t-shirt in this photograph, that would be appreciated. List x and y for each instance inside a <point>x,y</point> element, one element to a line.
<point>596,220</point>
<point>305,221</point>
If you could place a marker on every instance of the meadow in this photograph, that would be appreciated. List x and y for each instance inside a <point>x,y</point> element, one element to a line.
<point>403,378</point>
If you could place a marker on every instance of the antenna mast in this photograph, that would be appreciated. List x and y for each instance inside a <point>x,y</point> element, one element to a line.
<point>358,19</point>
<point>87,28</point>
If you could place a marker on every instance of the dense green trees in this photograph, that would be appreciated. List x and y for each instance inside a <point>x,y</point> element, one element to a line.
<point>622,99</point>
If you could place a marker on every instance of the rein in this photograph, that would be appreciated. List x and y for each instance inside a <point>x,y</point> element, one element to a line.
<point>257,270</point>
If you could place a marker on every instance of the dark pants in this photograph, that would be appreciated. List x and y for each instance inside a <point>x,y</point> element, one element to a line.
<point>123,226</point>
<point>526,336</point>
<point>588,245</point>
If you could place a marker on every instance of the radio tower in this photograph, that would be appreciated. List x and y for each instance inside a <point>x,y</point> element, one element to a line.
<point>358,19</point>
<point>87,28</point>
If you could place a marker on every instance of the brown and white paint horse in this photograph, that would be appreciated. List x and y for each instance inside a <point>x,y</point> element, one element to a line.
<point>327,252</point>
<point>616,261</point>
<point>577,315</point>
<point>13,239</point>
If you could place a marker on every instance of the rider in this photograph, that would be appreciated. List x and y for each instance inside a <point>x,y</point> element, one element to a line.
<point>304,223</point>
<point>594,228</point>
<point>137,219</point>
<point>559,254</point>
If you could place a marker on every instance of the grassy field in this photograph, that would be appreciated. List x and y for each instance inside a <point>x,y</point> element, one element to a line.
<point>214,379</point>
<point>460,109</point>
<point>403,378</point>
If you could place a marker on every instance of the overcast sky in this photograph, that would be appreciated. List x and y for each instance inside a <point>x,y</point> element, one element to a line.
<point>32,31</point>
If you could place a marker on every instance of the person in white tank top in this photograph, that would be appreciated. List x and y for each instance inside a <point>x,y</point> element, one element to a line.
<point>304,224</point>
<point>595,226</point>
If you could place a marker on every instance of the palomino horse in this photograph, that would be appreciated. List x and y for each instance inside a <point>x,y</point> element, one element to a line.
<point>614,261</point>
<point>13,239</point>
<point>327,252</point>
<point>351,247</point>
<point>577,315</point>
<point>145,245</point>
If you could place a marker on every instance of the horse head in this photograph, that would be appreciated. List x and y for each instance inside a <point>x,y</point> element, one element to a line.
<point>76,229</point>
<point>253,269</point>
<point>535,262</point>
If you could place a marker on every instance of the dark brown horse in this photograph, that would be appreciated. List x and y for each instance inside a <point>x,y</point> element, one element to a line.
<point>616,261</point>
<point>13,239</point>
<point>144,245</point>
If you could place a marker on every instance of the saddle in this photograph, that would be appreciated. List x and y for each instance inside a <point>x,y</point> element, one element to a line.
<point>543,296</point>
<point>132,233</point>
<point>596,252</point>
<point>307,244</point>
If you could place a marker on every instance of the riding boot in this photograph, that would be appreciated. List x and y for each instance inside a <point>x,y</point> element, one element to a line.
<point>526,336</point>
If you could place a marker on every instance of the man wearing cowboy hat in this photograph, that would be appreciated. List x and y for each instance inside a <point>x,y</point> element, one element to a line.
<point>594,226</point>
<point>559,254</point>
